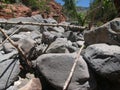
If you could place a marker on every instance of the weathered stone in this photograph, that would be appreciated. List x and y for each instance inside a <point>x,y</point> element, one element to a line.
<point>72,36</point>
<point>50,20</point>
<point>33,84</point>
<point>108,33</point>
<point>8,47</point>
<point>104,60</point>
<point>4,56</point>
<point>56,68</point>
<point>48,38</point>
<point>57,34</point>
<point>35,35</point>
<point>38,18</point>
<point>9,70</point>
<point>27,83</point>
<point>26,45</point>
<point>58,46</point>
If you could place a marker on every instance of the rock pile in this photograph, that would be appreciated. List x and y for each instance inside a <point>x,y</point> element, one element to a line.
<point>52,51</point>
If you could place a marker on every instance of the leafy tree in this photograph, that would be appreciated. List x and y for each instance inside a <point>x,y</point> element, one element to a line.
<point>70,8</point>
<point>102,11</point>
<point>71,12</point>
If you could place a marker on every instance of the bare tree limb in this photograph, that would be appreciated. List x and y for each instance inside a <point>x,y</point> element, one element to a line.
<point>27,62</point>
<point>10,35</point>
<point>44,24</point>
<point>67,82</point>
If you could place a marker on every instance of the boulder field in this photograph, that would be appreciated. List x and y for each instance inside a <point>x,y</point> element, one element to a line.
<point>52,51</point>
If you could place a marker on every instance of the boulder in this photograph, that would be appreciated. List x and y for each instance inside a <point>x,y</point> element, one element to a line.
<point>48,38</point>
<point>38,18</point>
<point>56,68</point>
<point>27,83</point>
<point>8,47</point>
<point>105,60</point>
<point>58,46</point>
<point>4,56</point>
<point>21,35</point>
<point>73,36</point>
<point>27,45</point>
<point>108,33</point>
<point>70,36</point>
<point>9,70</point>
<point>50,20</point>
<point>35,35</point>
<point>57,34</point>
<point>33,84</point>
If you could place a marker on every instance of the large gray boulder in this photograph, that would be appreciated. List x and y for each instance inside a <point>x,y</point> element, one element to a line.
<point>56,68</point>
<point>9,69</point>
<point>108,33</point>
<point>104,60</point>
<point>61,45</point>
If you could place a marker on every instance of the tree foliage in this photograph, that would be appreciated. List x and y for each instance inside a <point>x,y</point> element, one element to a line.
<point>102,11</point>
<point>70,8</point>
<point>71,12</point>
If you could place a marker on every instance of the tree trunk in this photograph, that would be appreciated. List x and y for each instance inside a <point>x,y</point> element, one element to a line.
<point>117,5</point>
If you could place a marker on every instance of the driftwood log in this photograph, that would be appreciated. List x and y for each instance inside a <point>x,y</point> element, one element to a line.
<point>45,24</point>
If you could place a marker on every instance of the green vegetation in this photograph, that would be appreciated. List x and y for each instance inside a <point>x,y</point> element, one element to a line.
<point>71,12</point>
<point>102,11</point>
<point>38,4</point>
<point>34,4</point>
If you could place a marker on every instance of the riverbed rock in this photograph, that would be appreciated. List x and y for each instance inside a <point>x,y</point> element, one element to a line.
<point>56,68</point>
<point>26,45</point>
<point>58,46</point>
<point>105,60</point>
<point>9,70</point>
<point>108,33</point>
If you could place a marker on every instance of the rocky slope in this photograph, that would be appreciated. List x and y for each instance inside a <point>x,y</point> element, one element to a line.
<point>19,10</point>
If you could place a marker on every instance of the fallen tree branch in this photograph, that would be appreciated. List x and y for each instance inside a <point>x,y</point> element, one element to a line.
<point>26,61</point>
<point>44,24</point>
<point>67,82</point>
<point>10,36</point>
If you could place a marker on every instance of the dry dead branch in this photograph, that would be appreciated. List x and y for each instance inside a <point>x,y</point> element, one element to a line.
<point>44,24</point>
<point>67,82</point>
<point>27,62</point>
<point>10,36</point>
